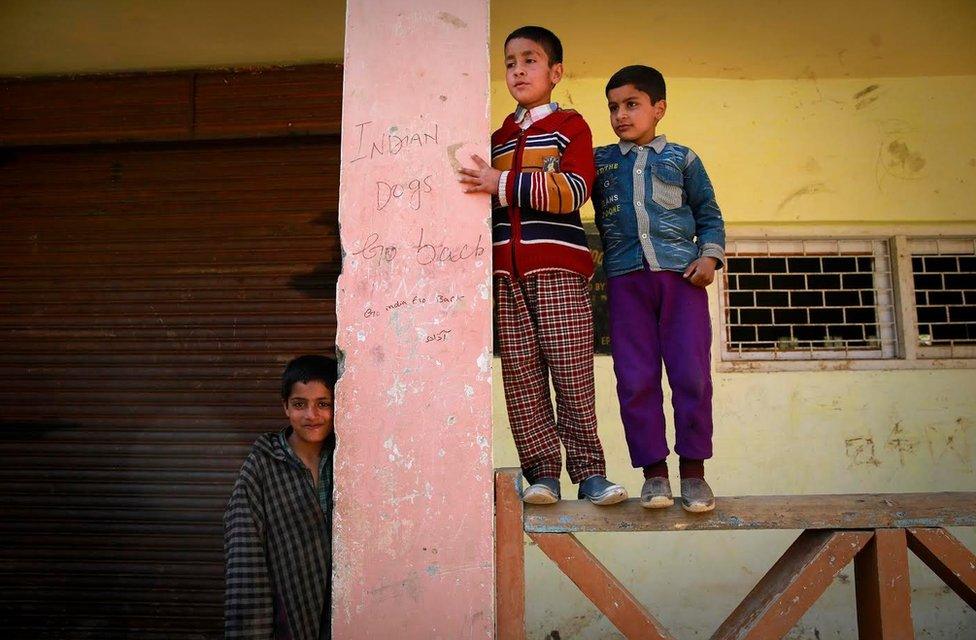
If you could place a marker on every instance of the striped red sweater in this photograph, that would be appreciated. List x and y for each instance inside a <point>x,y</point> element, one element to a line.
<point>551,172</point>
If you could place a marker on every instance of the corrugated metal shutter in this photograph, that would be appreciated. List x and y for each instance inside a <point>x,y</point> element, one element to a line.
<point>149,296</point>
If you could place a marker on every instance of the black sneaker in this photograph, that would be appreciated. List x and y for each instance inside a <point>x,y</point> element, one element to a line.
<point>600,491</point>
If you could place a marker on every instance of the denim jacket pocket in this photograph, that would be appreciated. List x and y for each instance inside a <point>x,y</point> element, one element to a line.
<point>667,187</point>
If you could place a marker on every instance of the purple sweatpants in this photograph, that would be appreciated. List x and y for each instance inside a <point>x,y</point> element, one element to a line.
<point>658,316</point>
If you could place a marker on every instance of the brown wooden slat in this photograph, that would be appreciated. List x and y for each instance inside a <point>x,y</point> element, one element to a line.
<point>948,558</point>
<point>265,102</point>
<point>39,527</point>
<point>83,461</point>
<point>88,281</point>
<point>164,356</point>
<point>283,101</point>
<point>509,558</point>
<point>792,585</point>
<point>846,511</point>
<point>74,613</point>
<point>66,110</point>
<point>603,589</point>
<point>883,588</point>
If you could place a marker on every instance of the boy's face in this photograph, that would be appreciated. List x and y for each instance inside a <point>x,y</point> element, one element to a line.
<point>309,411</point>
<point>529,77</point>
<point>632,115</point>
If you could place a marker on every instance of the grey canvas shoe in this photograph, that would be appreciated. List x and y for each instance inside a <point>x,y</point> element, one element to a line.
<point>542,491</point>
<point>656,493</point>
<point>696,495</point>
<point>600,491</point>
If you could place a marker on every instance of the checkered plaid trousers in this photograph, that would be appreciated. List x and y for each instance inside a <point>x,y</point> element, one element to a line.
<point>545,326</point>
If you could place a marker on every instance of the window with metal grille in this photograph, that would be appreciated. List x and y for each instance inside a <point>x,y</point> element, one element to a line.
<point>807,300</point>
<point>944,275</point>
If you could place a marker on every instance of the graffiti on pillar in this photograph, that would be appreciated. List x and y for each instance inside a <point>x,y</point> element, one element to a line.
<point>413,192</point>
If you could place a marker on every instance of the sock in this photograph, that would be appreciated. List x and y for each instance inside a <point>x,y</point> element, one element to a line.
<point>657,470</point>
<point>689,468</point>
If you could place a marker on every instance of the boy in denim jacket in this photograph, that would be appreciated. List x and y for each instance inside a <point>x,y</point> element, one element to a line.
<point>663,237</point>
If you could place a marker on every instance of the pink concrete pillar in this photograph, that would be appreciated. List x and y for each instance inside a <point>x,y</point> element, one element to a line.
<point>413,551</point>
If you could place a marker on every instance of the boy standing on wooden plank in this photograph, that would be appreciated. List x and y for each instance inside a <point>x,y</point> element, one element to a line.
<point>663,237</point>
<point>541,173</point>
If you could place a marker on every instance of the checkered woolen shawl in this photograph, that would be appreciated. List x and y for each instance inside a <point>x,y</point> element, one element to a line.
<point>277,543</point>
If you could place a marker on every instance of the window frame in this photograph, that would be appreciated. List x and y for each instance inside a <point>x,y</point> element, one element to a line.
<point>921,246</point>
<point>908,353</point>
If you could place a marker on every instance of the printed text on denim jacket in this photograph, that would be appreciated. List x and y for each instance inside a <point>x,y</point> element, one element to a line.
<point>655,203</point>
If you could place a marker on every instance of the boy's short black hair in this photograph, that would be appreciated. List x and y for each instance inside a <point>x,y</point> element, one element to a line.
<point>542,37</point>
<point>306,369</point>
<point>646,79</point>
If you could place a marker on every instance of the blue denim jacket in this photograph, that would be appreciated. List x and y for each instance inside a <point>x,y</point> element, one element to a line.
<point>655,203</point>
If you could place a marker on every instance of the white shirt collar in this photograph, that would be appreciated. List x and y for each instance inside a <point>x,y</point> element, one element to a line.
<point>657,144</point>
<point>525,117</point>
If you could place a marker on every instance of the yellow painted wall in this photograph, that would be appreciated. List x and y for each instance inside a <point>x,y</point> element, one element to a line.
<point>786,151</point>
<point>789,137</point>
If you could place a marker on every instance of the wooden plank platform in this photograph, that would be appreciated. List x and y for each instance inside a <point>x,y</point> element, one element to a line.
<point>847,511</point>
<point>875,531</point>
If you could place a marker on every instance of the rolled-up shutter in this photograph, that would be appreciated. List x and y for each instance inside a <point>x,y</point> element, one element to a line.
<point>150,294</point>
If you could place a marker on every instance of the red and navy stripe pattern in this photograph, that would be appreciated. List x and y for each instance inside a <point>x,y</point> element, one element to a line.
<point>554,180</point>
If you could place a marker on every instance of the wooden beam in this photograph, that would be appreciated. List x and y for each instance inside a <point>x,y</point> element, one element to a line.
<point>509,556</point>
<point>171,106</point>
<point>269,102</point>
<point>600,586</point>
<point>851,511</point>
<point>948,558</point>
<point>109,108</point>
<point>884,597</point>
<point>792,585</point>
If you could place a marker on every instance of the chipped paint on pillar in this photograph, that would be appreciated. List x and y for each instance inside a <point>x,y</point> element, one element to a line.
<point>413,549</point>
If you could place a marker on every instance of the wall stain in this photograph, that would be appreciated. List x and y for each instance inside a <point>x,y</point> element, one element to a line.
<point>866,96</point>
<point>865,91</point>
<point>451,155</point>
<point>572,626</point>
<point>809,190</point>
<point>452,20</point>
<point>902,162</point>
<point>392,590</point>
<point>866,102</point>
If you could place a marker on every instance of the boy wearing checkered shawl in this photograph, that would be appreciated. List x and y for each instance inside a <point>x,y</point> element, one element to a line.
<point>277,527</point>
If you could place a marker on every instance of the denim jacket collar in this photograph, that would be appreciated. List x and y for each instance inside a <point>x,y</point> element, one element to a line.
<point>657,144</point>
